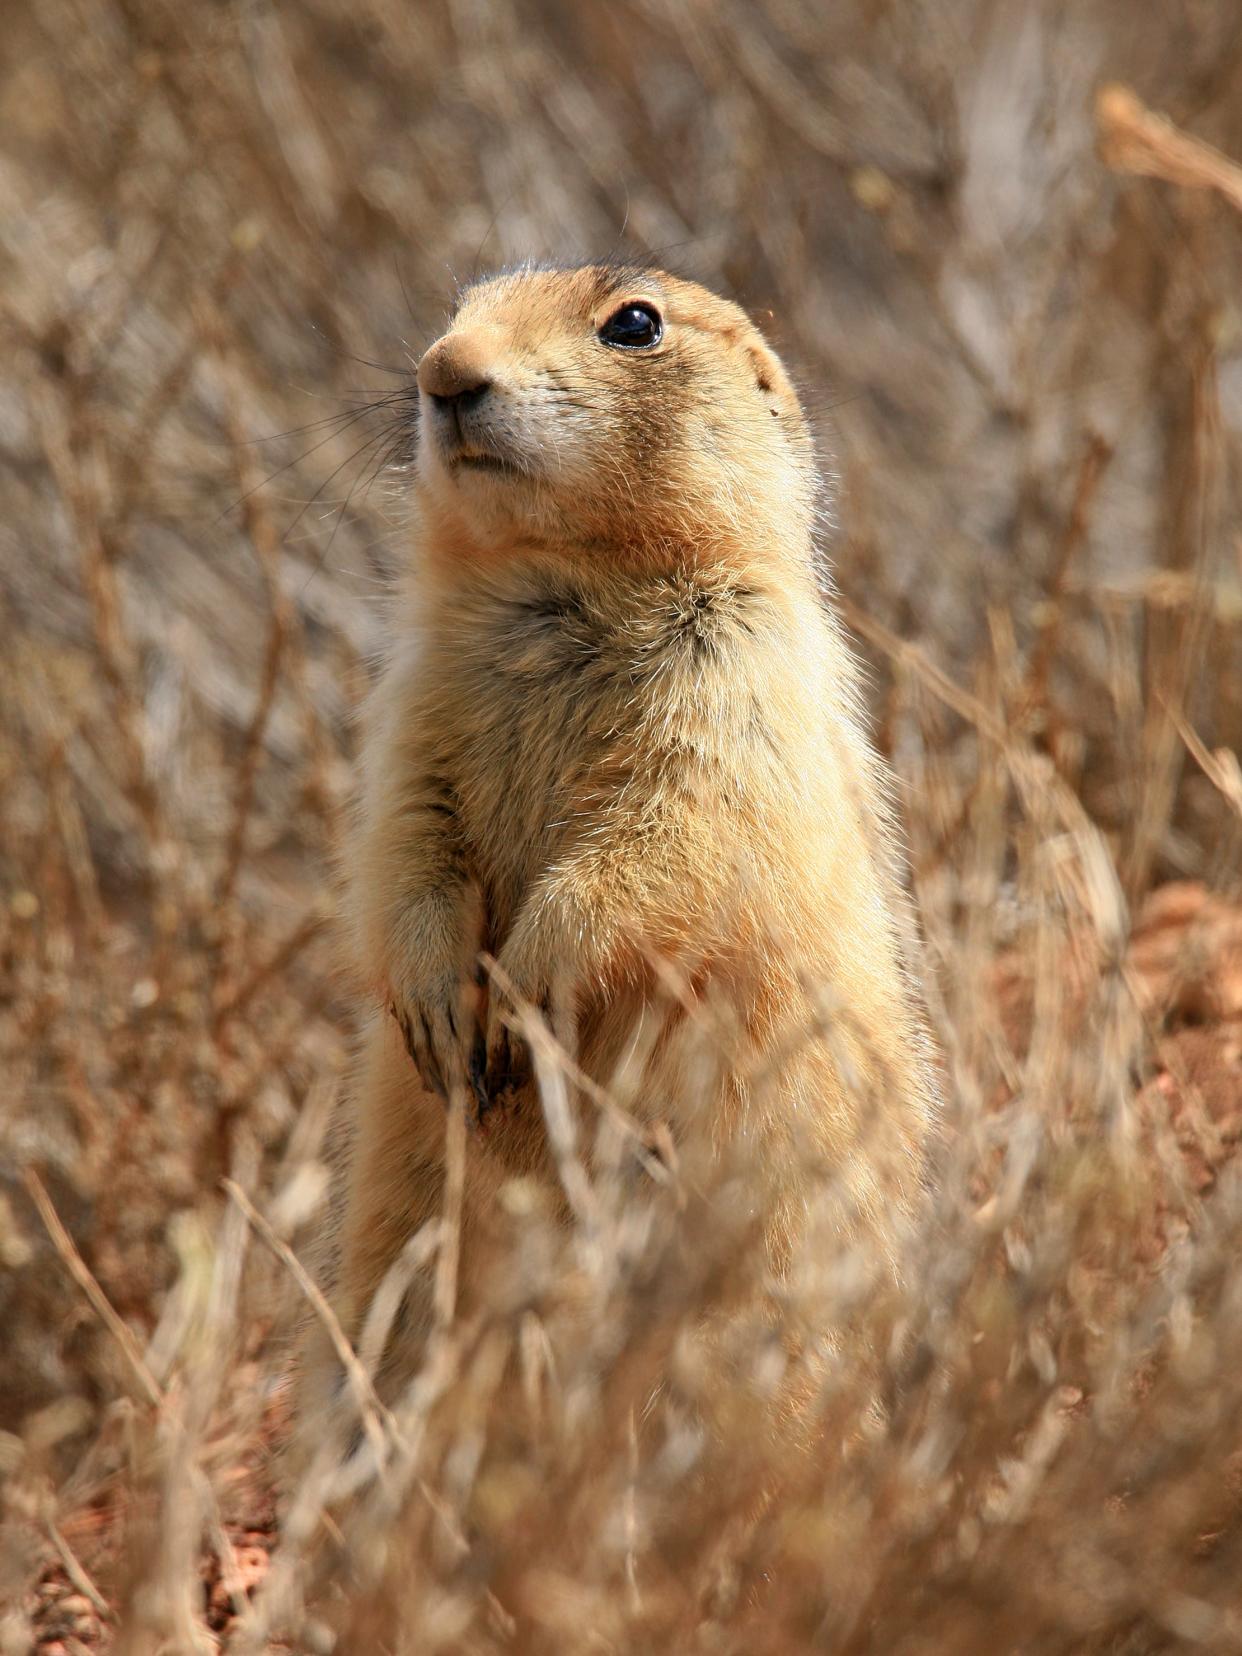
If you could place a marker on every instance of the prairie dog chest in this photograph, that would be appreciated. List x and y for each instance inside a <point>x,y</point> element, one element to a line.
<point>561,699</point>
<point>539,699</point>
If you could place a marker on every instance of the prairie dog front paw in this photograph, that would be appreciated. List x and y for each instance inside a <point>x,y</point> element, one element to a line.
<point>435,992</point>
<point>440,1026</point>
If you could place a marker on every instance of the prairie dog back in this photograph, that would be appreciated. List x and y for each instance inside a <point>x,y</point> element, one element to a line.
<point>618,745</point>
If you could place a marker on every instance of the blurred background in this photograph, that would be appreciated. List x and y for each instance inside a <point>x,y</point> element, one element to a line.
<point>226,231</point>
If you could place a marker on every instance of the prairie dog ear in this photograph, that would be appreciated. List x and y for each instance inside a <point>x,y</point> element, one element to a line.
<point>763,367</point>
<point>769,376</point>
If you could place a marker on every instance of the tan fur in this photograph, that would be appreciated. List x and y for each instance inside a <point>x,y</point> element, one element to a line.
<point>619,723</point>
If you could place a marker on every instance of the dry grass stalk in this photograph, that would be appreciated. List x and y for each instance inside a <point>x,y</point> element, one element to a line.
<point>1134,139</point>
<point>374,1416</point>
<point>146,1382</point>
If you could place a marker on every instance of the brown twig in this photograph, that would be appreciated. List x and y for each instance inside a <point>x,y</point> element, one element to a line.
<point>100,1304</point>
<point>306,930</point>
<point>64,439</point>
<point>1097,454</point>
<point>370,1409</point>
<point>1134,139</point>
<point>1220,767</point>
<point>76,1572</point>
<point>261,533</point>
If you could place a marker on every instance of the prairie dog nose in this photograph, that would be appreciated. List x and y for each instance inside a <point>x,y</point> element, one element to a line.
<point>459,366</point>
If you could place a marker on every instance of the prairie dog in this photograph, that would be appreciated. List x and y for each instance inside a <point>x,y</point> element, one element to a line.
<point>619,735</point>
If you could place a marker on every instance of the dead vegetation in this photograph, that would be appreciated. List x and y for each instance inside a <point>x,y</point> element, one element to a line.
<point>221,222</point>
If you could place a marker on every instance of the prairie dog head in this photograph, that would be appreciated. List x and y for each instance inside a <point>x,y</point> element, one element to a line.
<point>607,409</point>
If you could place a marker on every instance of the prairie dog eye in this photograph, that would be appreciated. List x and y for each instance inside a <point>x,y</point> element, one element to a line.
<point>634,327</point>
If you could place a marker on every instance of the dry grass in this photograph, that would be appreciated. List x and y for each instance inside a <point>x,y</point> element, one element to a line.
<point>1032,371</point>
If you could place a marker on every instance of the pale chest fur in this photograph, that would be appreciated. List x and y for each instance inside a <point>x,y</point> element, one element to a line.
<point>547,702</point>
